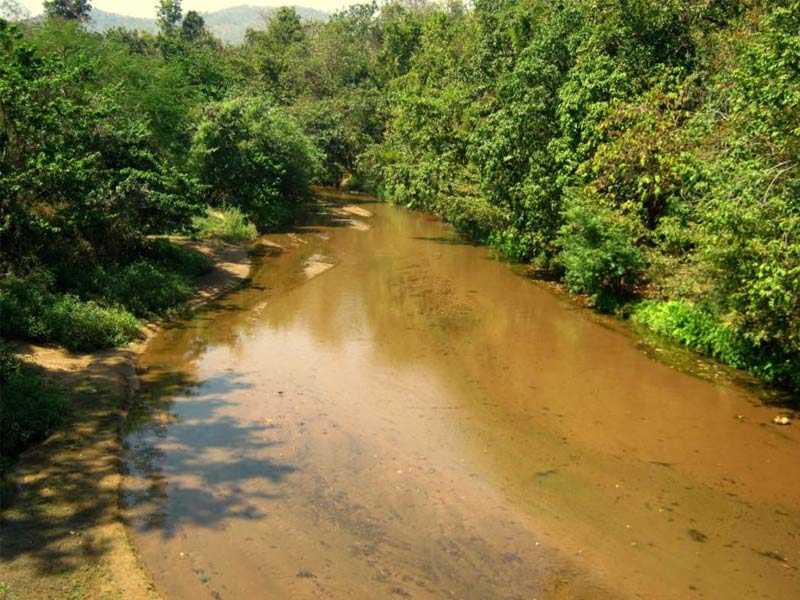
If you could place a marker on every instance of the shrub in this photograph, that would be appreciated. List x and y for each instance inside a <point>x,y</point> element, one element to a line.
<point>254,156</point>
<point>229,224</point>
<point>30,311</point>
<point>471,215</point>
<point>174,257</point>
<point>29,407</point>
<point>102,303</point>
<point>598,251</point>
<point>145,289</point>
<point>22,308</point>
<point>512,244</point>
<point>157,283</point>
<point>700,330</point>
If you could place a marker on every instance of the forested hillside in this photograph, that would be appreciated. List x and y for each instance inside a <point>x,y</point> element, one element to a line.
<point>644,153</point>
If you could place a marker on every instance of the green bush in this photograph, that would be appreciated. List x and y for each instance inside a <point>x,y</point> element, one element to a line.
<point>252,155</point>
<point>155,284</point>
<point>30,311</point>
<point>29,407</point>
<point>701,331</point>
<point>598,252</point>
<point>22,308</point>
<point>145,289</point>
<point>97,307</point>
<point>469,214</point>
<point>85,326</point>
<point>512,244</point>
<point>229,224</point>
<point>175,257</point>
<point>160,281</point>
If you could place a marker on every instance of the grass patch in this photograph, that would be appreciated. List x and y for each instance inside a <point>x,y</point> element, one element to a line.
<point>705,333</point>
<point>30,311</point>
<point>144,289</point>
<point>29,410</point>
<point>86,325</point>
<point>174,257</point>
<point>228,224</point>
<point>100,306</point>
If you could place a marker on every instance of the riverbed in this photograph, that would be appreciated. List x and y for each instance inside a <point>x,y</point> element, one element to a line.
<point>387,412</point>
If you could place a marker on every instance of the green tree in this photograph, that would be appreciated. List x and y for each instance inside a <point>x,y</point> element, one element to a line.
<point>78,10</point>
<point>252,155</point>
<point>193,27</point>
<point>270,50</point>
<point>80,178</point>
<point>750,216</point>
<point>169,14</point>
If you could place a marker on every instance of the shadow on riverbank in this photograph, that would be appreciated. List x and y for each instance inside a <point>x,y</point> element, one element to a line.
<point>62,534</point>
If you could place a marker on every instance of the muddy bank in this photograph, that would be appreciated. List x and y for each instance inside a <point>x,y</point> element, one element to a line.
<point>63,536</point>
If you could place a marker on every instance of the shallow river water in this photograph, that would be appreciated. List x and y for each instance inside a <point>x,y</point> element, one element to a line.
<point>386,412</point>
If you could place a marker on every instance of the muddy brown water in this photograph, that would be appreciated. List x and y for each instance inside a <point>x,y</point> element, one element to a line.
<point>389,413</point>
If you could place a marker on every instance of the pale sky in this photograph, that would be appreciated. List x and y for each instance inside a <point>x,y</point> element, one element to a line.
<point>146,8</point>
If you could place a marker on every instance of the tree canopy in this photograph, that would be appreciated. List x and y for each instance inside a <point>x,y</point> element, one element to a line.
<point>78,10</point>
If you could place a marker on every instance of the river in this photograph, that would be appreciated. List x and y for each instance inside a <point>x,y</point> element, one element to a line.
<point>387,412</point>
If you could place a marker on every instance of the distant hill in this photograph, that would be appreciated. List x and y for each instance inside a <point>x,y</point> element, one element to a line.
<point>102,21</point>
<point>228,24</point>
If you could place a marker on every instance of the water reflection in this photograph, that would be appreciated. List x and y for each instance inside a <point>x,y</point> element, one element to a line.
<point>419,420</point>
<point>200,466</point>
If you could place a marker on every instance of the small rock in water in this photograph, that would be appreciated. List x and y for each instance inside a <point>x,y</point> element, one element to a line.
<point>781,420</point>
<point>305,575</point>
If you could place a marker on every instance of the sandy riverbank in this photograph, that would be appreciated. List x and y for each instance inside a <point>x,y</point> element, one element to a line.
<point>63,536</point>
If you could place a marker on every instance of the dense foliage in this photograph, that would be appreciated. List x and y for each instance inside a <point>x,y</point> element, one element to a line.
<point>636,150</point>
<point>108,141</point>
<point>253,156</point>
